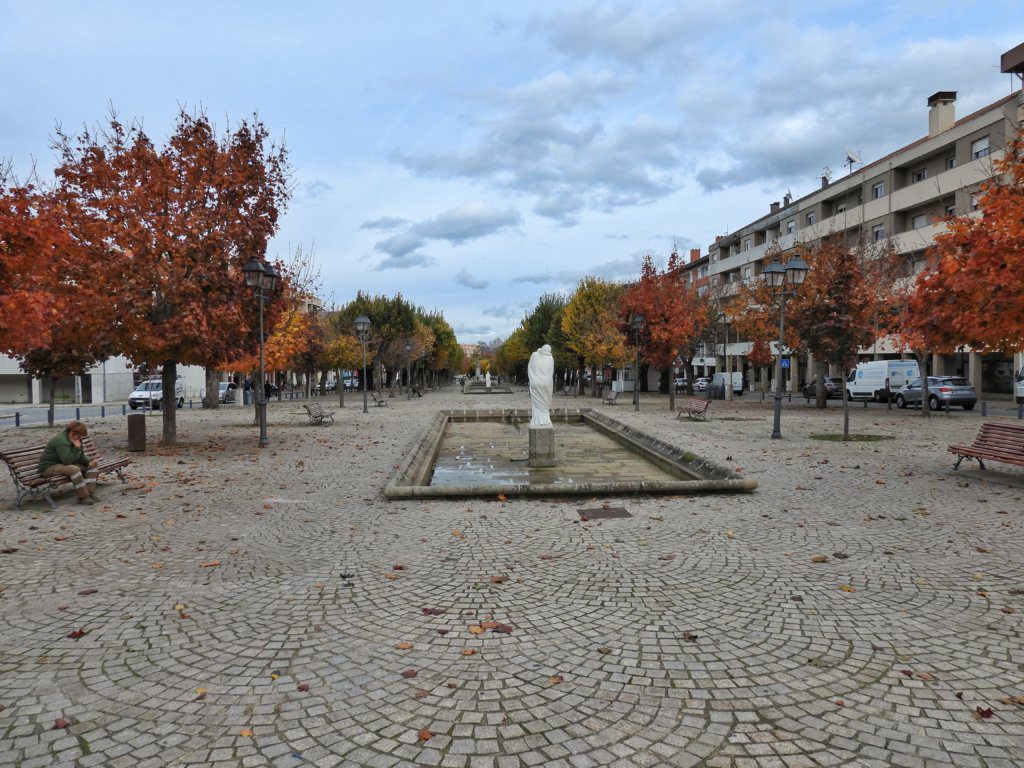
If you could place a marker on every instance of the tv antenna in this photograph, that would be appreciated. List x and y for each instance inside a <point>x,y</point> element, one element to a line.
<point>851,158</point>
<point>826,173</point>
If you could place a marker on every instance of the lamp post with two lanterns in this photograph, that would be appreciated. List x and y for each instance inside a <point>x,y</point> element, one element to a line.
<point>638,323</point>
<point>778,277</point>
<point>363,331</point>
<point>262,278</point>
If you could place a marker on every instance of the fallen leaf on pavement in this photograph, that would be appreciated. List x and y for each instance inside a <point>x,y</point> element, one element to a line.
<point>59,723</point>
<point>425,735</point>
<point>409,674</point>
<point>77,634</point>
<point>211,564</point>
<point>404,645</point>
<point>556,679</point>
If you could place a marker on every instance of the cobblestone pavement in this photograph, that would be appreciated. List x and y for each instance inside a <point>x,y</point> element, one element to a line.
<point>237,607</point>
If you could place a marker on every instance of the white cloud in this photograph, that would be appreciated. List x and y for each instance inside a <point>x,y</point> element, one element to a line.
<point>466,280</point>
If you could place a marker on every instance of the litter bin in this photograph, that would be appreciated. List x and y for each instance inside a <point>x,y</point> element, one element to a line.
<point>247,397</point>
<point>136,432</point>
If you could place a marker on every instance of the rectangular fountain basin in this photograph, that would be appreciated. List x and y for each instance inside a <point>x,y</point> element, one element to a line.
<point>484,453</point>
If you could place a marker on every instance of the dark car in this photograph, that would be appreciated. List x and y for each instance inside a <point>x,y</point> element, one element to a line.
<point>833,388</point>
<point>942,390</point>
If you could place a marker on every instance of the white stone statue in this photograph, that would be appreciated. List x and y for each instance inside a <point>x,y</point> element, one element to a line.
<point>541,371</point>
<point>487,380</point>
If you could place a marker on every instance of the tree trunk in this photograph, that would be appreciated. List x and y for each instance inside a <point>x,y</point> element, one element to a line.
<point>820,395</point>
<point>169,405</point>
<point>212,398</point>
<point>52,399</point>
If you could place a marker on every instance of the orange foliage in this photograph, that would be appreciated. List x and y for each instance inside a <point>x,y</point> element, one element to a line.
<point>972,291</point>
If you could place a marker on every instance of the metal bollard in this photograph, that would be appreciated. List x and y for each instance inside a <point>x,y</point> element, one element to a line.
<point>103,411</point>
<point>984,409</point>
<point>124,409</point>
<point>865,405</point>
<point>17,418</point>
<point>1020,411</point>
<point>78,413</point>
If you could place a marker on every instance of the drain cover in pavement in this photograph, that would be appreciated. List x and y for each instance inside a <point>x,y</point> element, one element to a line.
<point>603,513</point>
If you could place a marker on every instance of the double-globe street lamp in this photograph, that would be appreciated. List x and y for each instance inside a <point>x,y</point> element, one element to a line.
<point>262,278</point>
<point>638,323</point>
<point>363,331</point>
<point>778,277</point>
<point>408,370</point>
<point>724,320</point>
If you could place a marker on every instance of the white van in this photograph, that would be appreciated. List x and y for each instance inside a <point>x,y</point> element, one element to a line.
<point>717,384</point>
<point>150,393</point>
<point>873,379</point>
<point>1018,387</point>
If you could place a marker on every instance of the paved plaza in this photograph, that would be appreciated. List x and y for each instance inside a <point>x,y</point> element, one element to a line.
<point>237,607</point>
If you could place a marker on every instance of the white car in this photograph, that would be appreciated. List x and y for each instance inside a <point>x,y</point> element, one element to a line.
<point>150,394</point>
<point>701,384</point>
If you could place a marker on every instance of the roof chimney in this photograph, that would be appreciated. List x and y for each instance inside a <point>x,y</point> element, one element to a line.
<point>941,112</point>
<point>786,198</point>
<point>694,254</point>
<point>775,207</point>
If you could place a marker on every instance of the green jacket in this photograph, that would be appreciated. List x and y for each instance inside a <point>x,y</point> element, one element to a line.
<point>60,450</point>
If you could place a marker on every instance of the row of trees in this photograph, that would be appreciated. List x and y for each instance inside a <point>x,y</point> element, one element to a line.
<point>137,250</point>
<point>970,293</point>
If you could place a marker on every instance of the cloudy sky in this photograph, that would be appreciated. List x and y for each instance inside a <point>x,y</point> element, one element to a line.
<point>474,155</point>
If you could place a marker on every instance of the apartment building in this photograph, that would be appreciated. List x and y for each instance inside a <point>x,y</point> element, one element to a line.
<point>905,196</point>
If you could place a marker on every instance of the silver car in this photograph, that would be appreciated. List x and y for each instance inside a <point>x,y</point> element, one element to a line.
<point>942,391</point>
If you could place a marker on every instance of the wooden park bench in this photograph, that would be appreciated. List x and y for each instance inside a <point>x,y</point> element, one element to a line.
<point>610,399</point>
<point>695,408</point>
<point>379,401</point>
<point>23,464</point>
<point>995,442</point>
<point>316,413</point>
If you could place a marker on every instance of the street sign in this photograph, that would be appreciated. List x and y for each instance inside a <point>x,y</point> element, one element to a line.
<point>785,362</point>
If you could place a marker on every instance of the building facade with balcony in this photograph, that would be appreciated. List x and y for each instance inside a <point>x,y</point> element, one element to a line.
<point>904,198</point>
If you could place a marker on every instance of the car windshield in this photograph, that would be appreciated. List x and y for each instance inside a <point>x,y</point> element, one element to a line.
<point>957,382</point>
<point>150,386</point>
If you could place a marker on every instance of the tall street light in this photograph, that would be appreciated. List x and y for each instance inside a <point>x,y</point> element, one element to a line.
<point>363,331</point>
<point>724,320</point>
<point>262,278</point>
<point>408,370</point>
<point>779,277</point>
<point>638,323</point>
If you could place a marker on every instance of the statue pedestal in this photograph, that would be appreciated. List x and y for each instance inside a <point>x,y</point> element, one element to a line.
<point>542,447</point>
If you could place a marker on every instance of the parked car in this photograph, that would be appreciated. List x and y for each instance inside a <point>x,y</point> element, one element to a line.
<point>150,393</point>
<point>226,391</point>
<point>701,384</point>
<point>942,391</point>
<point>833,388</point>
<point>873,379</point>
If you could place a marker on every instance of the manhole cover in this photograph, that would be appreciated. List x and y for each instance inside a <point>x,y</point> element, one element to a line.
<point>603,513</point>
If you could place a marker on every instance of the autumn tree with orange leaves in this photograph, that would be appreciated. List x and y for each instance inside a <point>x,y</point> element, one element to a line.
<point>177,223</point>
<point>971,291</point>
<point>675,316</point>
<point>53,317</point>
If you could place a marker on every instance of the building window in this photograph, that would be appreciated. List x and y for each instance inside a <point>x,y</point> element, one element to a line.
<point>950,162</point>
<point>790,226</point>
<point>878,190</point>
<point>951,210</point>
<point>746,244</point>
<point>975,203</point>
<point>921,220</point>
<point>811,219</point>
<point>840,207</point>
<point>703,271</point>
<point>919,175</point>
<point>878,232</point>
<point>979,147</point>
<point>746,273</point>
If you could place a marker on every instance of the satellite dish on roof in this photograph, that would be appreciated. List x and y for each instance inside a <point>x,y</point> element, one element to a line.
<point>853,157</point>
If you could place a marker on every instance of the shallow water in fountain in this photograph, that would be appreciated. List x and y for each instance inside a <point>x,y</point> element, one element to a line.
<point>488,453</point>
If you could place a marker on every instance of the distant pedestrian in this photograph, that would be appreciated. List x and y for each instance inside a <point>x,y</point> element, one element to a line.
<point>64,455</point>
